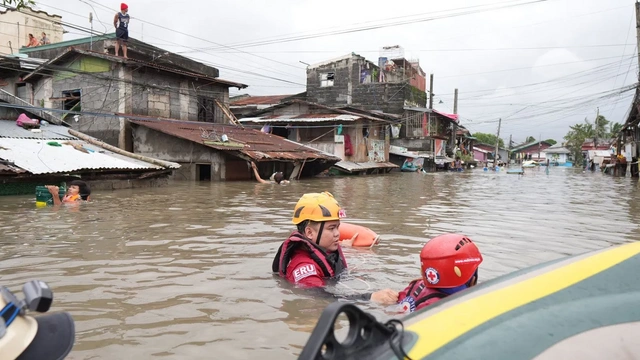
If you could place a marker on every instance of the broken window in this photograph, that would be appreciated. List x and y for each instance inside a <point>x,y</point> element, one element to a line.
<point>71,100</point>
<point>327,79</point>
<point>206,109</point>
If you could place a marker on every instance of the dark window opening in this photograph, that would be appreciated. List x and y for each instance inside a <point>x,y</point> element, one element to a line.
<point>206,109</point>
<point>203,172</point>
<point>327,79</point>
<point>280,131</point>
<point>21,91</point>
<point>71,100</point>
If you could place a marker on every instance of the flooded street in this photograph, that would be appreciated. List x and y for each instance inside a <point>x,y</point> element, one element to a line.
<point>184,272</point>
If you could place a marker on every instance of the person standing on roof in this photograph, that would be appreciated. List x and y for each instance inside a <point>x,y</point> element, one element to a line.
<point>121,23</point>
<point>312,254</point>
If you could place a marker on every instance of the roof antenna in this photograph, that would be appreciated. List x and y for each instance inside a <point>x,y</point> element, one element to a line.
<point>91,22</point>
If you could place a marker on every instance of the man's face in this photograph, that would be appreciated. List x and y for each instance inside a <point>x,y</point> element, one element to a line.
<point>330,237</point>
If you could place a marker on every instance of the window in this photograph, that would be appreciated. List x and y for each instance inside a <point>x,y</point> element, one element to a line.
<point>71,100</point>
<point>21,91</point>
<point>203,172</point>
<point>206,109</point>
<point>327,79</point>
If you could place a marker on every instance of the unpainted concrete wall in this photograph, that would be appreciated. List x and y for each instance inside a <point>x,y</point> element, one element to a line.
<point>158,145</point>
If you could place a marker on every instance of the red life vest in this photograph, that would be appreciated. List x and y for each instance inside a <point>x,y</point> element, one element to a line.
<point>418,294</point>
<point>298,241</point>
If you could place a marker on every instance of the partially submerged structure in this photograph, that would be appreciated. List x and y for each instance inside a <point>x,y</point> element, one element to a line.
<point>219,152</point>
<point>55,153</point>
<point>360,139</point>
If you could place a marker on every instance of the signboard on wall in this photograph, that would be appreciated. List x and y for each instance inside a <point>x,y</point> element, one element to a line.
<point>376,150</point>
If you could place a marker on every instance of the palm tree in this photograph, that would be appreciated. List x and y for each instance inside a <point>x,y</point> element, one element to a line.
<point>614,129</point>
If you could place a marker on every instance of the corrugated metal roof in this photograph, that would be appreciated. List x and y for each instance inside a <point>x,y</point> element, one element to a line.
<point>301,118</point>
<point>253,143</point>
<point>9,129</point>
<point>37,157</point>
<point>11,169</point>
<point>351,166</point>
<point>260,100</point>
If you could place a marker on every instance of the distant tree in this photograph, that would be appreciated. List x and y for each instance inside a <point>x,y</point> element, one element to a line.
<point>576,136</point>
<point>529,139</point>
<point>614,129</point>
<point>17,4</point>
<point>489,139</point>
<point>551,141</point>
<point>601,127</point>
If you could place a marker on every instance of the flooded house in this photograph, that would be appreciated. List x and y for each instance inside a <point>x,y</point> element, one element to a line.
<point>530,151</point>
<point>558,155</point>
<point>83,77</point>
<point>489,150</point>
<point>359,139</point>
<point>427,131</point>
<point>223,152</point>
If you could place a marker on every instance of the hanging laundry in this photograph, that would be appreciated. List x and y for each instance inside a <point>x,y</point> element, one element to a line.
<point>348,148</point>
<point>339,132</point>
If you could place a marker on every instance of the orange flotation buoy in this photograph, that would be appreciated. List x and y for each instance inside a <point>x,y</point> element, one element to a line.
<point>366,237</point>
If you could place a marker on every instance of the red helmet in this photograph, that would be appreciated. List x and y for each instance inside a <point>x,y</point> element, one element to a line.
<point>449,261</point>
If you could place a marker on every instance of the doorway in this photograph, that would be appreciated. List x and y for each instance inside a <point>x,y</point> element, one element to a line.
<point>203,172</point>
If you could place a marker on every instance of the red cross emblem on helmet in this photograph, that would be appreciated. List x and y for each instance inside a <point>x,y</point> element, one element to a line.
<point>432,275</point>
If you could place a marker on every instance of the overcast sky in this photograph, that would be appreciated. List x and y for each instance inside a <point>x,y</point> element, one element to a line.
<point>540,66</point>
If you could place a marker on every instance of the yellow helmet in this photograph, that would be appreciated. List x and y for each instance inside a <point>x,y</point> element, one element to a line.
<point>317,207</point>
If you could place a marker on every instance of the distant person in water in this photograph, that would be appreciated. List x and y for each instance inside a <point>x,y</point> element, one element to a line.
<point>78,190</point>
<point>276,177</point>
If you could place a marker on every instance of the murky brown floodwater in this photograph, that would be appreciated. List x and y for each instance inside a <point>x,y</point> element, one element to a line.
<point>184,271</point>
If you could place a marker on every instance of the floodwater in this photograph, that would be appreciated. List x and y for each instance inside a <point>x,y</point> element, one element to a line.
<point>184,272</point>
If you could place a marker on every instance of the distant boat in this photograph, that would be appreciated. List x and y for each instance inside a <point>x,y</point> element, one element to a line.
<point>530,164</point>
<point>515,171</point>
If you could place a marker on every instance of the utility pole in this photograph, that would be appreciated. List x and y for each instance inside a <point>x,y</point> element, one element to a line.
<point>454,127</point>
<point>431,91</point>
<point>595,139</point>
<point>495,156</point>
<point>509,152</point>
<point>539,145</point>
<point>638,31</point>
<point>455,101</point>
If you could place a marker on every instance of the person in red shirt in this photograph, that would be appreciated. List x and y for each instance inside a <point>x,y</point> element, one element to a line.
<point>312,254</point>
<point>449,264</point>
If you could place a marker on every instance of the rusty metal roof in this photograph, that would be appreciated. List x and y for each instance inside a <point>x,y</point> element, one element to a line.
<point>11,169</point>
<point>253,143</point>
<point>260,100</point>
<point>113,58</point>
<point>300,118</point>
<point>369,115</point>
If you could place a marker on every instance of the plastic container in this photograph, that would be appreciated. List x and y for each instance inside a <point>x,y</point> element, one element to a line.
<point>44,197</point>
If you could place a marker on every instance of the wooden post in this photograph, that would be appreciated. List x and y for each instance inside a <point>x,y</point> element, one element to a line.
<point>495,155</point>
